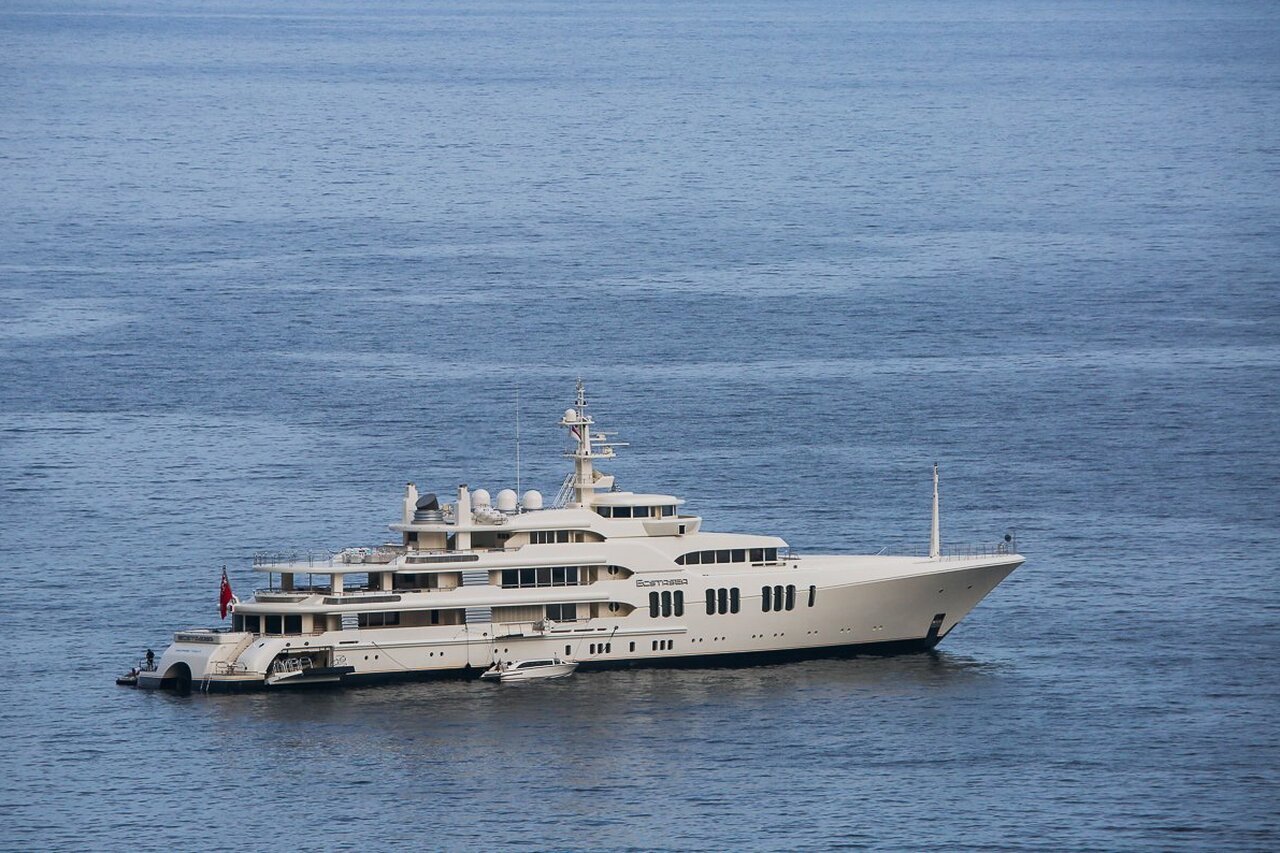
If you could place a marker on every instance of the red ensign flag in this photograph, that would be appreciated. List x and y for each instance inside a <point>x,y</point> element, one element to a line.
<point>224,594</point>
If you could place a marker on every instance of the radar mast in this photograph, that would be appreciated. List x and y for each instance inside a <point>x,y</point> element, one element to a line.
<point>590,446</point>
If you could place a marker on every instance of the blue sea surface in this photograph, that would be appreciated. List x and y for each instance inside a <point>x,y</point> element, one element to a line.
<point>262,263</point>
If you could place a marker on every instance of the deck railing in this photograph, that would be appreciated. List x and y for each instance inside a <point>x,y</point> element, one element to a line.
<point>325,558</point>
<point>956,552</point>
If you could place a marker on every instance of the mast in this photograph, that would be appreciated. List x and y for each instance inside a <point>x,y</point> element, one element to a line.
<point>518,440</point>
<point>579,424</point>
<point>935,538</point>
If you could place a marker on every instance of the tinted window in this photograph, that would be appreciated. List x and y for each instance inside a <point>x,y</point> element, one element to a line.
<point>640,512</point>
<point>777,597</point>
<point>666,603</point>
<point>791,597</point>
<point>544,577</point>
<point>734,600</point>
<point>273,624</point>
<point>708,557</point>
<point>722,600</point>
<point>757,555</point>
<point>653,604</point>
<point>722,556</point>
<point>693,559</point>
<point>571,574</point>
<point>528,577</point>
<point>764,599</point>
<point>510,577</point>
<point>293,624</point>
<point>770,555</point>
<point>606,511</point>
<point>562,612</point>
<point>679,602</point>
<point>813,594</point>
<point>739,555</point>
<point>711,601</point>
<point>252,624</point>
<point>622,512</point>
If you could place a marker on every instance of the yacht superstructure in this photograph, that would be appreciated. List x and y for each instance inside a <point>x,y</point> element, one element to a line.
<point>601,578</point>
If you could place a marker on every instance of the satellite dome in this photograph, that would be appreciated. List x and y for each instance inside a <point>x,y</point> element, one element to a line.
<point>532,499</point>
<point>507,500</point>
<point>480,497</point>
<point>570,415</point>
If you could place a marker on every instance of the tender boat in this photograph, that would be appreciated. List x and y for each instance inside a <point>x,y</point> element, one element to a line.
<point>600,576</point>
<point>530,670</point>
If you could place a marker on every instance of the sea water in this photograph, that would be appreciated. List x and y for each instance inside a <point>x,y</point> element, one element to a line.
<point>261,264</point>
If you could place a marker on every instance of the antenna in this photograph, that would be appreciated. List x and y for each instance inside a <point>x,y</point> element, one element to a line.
<point>935,537</point>
<point>517,439</point>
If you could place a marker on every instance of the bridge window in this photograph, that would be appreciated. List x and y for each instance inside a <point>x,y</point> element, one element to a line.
<point>273,624</point>
<point>622,512</point>
<point>639,512</point>
<point>728,555</point>
<point>605,511</point>
<point>293,623</point>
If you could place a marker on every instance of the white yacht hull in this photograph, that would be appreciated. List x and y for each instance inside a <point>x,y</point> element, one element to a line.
<point>860,605</point>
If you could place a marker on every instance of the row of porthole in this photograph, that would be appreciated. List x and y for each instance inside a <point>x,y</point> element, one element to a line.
<point>761,636</point>
<point>596,648</point>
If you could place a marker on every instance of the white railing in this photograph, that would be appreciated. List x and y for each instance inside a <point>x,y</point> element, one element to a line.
<point>324,558</point>
<point>955,552</point>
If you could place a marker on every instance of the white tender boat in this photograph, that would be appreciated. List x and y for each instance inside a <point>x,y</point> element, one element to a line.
<point>530,670</point>
<point>602,577</point>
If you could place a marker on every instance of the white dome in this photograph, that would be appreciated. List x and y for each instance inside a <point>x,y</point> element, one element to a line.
<point>507,500</point>
<point>532,499</point>
<point>570,415</point>
<point>480,497</point>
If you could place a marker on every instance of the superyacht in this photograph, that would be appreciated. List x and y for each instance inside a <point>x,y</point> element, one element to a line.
<point>599,577</point>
